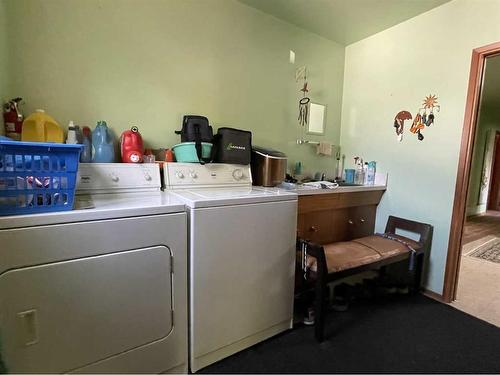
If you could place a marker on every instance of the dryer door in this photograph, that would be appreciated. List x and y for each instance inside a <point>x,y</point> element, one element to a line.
<point>61,316</point>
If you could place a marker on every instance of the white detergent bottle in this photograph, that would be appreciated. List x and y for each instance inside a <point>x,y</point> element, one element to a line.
<point>72,137</point>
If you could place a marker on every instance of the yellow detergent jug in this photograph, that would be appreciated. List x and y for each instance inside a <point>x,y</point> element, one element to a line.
<point>40,127</point>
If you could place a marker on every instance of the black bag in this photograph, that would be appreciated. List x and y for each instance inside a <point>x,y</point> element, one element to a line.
<point>196,129</point>
<point>232,146</point>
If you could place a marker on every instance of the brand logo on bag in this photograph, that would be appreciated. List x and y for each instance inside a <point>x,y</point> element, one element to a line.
<point>230,147</point>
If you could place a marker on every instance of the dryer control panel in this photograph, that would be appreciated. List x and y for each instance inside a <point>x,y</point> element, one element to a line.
<point>117,177</point>
<point>185,175</point>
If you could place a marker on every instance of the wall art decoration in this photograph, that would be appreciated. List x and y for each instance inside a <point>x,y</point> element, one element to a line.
<point>417,126</point>
<point>423,118</point>
<point>399,121</point>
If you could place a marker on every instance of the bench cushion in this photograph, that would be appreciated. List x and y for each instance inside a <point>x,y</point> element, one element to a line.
<point>386,247</point>
<point>341,256</point>
<point>344,255</point>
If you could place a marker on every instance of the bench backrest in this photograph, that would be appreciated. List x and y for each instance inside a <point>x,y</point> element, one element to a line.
<point>424,230</point>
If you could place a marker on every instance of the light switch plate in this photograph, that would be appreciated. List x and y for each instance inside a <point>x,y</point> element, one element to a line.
<point>300,73</point>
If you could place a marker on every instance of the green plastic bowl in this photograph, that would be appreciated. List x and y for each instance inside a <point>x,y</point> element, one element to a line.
<point>186,152</point>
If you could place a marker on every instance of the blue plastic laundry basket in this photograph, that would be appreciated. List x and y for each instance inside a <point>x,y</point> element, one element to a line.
<point>37,177</point>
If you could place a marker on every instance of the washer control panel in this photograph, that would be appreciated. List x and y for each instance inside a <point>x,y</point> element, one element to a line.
<point>183,175</point>
<point>118,177</point>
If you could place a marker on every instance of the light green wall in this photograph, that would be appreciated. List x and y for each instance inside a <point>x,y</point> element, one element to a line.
<point>394,70</point>
<point>489,120</point>
<point>4,76</point>
<point>150,62</point>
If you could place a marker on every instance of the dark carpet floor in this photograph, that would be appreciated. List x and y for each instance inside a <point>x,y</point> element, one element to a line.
<point>398,335</point>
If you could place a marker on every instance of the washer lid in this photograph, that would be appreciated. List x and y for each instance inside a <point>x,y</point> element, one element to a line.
<point>100,207</point>
<point>216,197</point>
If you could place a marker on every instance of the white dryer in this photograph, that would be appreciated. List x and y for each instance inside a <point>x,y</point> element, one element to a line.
<point>242,258</point>
<point>99,289</point>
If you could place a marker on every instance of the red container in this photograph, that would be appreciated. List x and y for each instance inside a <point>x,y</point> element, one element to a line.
<point>132,147</point>
<point>13,119</point>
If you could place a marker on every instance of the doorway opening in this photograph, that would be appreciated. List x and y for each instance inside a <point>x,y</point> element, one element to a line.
<point>474,246</point>
<point>493,203</point>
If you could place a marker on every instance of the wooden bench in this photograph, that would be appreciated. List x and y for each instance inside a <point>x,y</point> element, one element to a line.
<point>326,263</point>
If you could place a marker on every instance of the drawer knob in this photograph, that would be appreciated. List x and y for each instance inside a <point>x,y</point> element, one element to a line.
<point>313,229</point>
<point>362,220</point>
<point>350,221</point>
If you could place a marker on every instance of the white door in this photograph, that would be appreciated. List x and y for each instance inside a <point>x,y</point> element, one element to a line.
<point>242,276</point>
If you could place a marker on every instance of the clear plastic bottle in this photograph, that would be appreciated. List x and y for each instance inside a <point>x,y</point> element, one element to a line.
<point>372,169</point>
<point>148,156</point>
<point>365,174</point>
<point>359,174</point>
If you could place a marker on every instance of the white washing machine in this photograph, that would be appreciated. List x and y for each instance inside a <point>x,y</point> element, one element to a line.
<point>102,288</point>
<point>242,258</point>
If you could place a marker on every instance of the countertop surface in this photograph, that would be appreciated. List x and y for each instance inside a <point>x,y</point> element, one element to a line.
<point>106,206</point>
<point>304,190</point>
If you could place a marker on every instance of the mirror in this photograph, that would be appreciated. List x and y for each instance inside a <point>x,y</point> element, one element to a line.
<point>316,120</point>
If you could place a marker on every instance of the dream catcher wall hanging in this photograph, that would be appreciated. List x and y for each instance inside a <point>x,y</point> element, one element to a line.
<point>423,118</point>
<point>304,103</point>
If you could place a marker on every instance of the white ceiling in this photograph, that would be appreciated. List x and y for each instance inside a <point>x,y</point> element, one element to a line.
<point>344,21</point>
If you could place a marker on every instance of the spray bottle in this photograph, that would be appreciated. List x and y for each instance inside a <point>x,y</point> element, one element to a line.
<point>359,175</point>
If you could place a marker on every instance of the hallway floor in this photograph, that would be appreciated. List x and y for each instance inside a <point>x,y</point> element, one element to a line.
<point>480,226</point>
<point>478,290</point>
